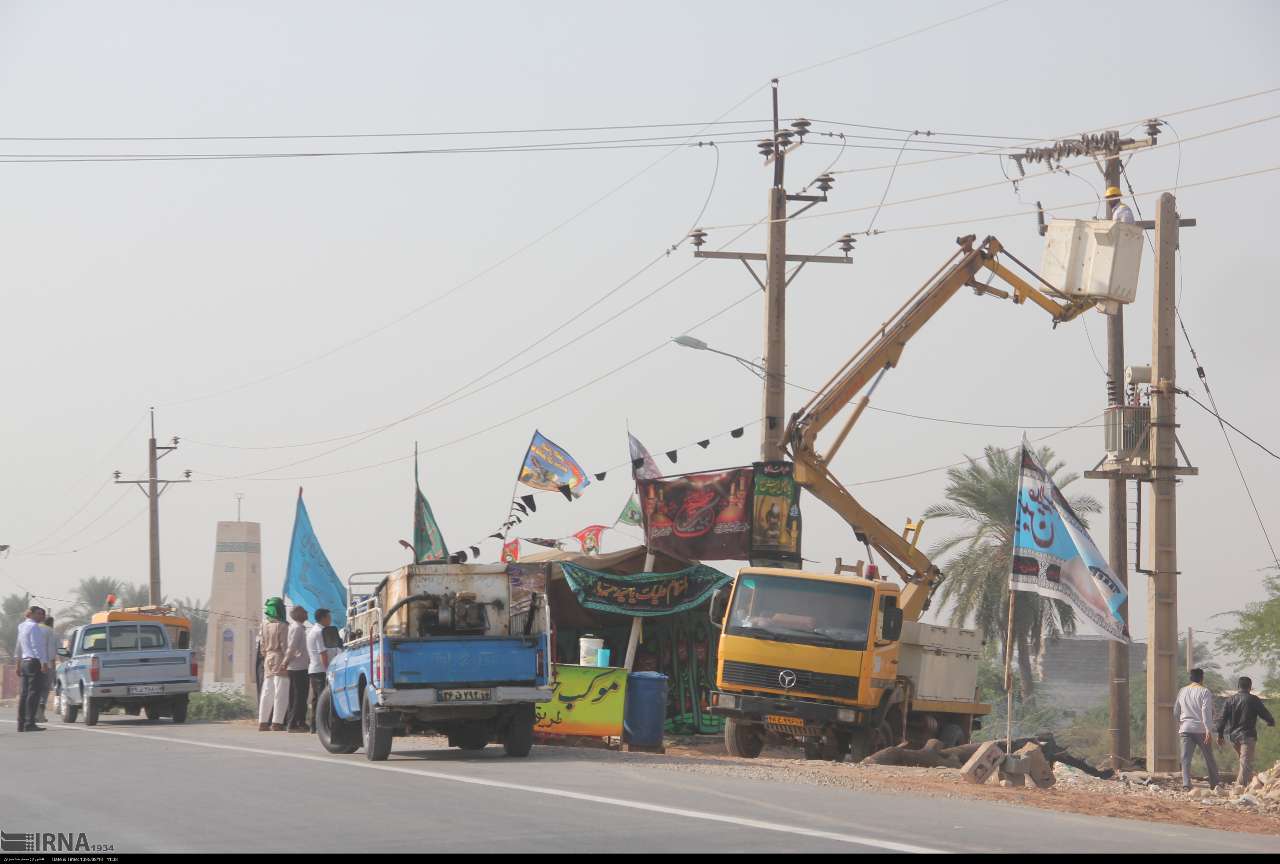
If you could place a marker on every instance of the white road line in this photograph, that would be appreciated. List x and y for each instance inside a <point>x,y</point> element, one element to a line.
<point>888,845</point>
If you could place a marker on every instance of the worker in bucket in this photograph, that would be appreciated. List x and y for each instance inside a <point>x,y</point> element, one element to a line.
<point>1120,211</point>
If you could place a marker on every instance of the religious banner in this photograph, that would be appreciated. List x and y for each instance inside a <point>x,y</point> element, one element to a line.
<point>428,542</point>
<point>643,466</point>
<point>699,517</point>
<point>775,525</point>
<point>589,539</point>
<point>310,581</point>
<point>510,551</point>
<point>631,513</point>
<point>642,595</point>
<point>1054,556</point>
<point>586,701</point>
<point>548,466</point>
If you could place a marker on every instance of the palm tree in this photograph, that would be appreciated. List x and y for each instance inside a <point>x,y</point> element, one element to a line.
<point>983,496</point>
<point>198,612</point>
<point>90,596</point>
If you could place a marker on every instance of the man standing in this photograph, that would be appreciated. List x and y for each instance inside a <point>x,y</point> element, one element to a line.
<point>320,657</point>
<point>46,684</point>
<point>274,701</point>
<point>1239,723</point>
<point>33,663</point>
<point>1194,711</point>
<point>297,661</point>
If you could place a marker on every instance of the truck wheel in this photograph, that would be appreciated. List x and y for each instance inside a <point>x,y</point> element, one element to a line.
<point>377,739</point>
<point>859,744</point>
<point>152,709</point>
<point>69,710</point>
<point>90,711</point>
<point>336,736</point>
<point>742,740</point>
<point>518,740</point>
<point>951,735</point>
<point>179,709</point>
<point>133,710</point>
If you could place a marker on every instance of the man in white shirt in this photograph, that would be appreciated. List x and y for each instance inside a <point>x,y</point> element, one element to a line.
<point>320,657</point>
<point>1194,711</point>
<point>1120,211</point>
<point>33,663</point>
<point>296,662</point>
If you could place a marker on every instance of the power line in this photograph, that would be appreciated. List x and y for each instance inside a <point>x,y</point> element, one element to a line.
<point>1237,429</point>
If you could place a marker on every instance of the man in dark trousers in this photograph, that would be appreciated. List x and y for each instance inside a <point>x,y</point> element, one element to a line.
<point>296,662</point>
<point>1239,723</point>
<point>33,663</point>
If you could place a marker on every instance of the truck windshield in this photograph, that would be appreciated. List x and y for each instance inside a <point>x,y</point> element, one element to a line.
<point>805,611</point>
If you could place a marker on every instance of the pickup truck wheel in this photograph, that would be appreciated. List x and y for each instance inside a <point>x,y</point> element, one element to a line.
<point>377,739</point>
<point>518,740</point>
<point>742,740</point>
<point>69,710</point>
<point>336,736</point>
<point>90,711</point>
<point>152,709</point>
<point>179,709</point>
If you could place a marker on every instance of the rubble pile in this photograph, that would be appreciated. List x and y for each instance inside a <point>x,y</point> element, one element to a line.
<point>1262,795</point>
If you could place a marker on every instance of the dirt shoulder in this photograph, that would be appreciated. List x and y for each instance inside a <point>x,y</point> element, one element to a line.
<point>1074,792</point>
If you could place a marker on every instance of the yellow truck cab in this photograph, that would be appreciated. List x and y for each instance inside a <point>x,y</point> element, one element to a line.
<point>820,658</point>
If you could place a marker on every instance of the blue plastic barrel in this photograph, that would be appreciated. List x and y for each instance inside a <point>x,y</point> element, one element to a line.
<point>645,714</point>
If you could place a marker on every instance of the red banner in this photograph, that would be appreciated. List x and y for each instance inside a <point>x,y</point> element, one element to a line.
<point>699,517</point>
<point>510,551</point>
<point>589,539</point>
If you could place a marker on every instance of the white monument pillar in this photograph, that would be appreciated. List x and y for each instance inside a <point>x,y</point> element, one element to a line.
<point>235,608</point>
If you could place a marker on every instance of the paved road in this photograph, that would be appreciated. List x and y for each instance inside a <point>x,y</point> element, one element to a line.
<point>222,787</point>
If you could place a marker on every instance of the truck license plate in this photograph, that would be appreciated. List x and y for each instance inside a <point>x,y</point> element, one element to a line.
<point>780,720</point>
<point>465,695</point>
<point>146,690</point>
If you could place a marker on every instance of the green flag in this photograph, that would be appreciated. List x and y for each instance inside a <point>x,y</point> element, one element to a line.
<point>631,514</point>
<point>428,542</point>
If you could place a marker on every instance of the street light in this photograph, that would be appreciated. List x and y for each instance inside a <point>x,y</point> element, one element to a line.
<point>687,341</point>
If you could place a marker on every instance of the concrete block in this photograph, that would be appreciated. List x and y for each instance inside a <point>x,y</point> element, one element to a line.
<point>983,763</point>
<point>1036,766</point>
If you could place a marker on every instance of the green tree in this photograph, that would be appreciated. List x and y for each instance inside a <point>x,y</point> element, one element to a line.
<point>983,495</point>
<point>12,609</point>
<point>198,612</point>
<point>1255,638</point>
<point>90,596</point>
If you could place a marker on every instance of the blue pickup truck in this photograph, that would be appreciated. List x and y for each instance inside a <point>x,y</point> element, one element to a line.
<point>438,649</point>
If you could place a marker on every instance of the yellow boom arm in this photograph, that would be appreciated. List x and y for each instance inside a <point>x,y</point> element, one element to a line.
<point>877,355</point>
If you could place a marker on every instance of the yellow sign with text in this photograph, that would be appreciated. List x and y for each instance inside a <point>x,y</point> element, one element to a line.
<point>586,701</point>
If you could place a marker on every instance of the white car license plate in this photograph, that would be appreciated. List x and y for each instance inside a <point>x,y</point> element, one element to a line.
<point>146,690</point>
<point>465,695</point>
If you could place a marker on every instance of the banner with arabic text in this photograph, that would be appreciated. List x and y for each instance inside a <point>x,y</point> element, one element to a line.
<point>1054,556</point>
<point>643,595</point>
<point>699,517</point>
<point>585,700</point>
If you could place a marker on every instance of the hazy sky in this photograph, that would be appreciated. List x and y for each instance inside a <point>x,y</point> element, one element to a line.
<point>175,283</point>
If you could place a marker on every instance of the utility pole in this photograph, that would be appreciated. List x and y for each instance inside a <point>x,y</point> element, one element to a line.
<point>153,487</point>
<point>1162,585</point>
<point>1111,145</point>
<point>776,279</point>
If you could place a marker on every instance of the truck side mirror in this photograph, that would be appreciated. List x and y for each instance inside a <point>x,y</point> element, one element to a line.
<point>717,607</point>
<point>64,652</point>
<point>892,624</point>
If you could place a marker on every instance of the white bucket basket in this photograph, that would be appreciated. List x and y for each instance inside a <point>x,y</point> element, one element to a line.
<point>1094,258</point>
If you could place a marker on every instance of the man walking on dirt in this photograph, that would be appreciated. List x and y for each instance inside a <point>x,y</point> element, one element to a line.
<point>1194,710</point>
<point>1239,723</point>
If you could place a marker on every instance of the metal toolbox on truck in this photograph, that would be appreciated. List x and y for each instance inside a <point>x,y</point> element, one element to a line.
<point>942,662</point>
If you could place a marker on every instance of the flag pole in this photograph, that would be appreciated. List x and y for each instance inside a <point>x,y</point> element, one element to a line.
<point>637,623</point>
<point>1008,680</point>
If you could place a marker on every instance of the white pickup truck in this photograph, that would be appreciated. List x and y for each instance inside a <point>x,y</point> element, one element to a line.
<point>140,660</point>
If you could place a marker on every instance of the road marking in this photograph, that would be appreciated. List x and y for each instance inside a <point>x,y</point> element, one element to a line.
<point>888,845</point>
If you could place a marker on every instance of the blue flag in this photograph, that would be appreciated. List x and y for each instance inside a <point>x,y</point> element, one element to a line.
<point>1054,556</point>
<point>309,579</point>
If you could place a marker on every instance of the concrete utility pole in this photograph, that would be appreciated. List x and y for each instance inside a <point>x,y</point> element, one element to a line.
<point>152,487</point>
<point>1162,585</point>
<point>776,278</point>
<point>1117,524</point>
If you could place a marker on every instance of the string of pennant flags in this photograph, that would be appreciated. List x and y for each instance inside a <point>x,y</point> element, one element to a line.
<point>549,468</point>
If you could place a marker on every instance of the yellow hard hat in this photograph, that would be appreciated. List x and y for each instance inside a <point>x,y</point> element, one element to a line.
<point>1113,191</point>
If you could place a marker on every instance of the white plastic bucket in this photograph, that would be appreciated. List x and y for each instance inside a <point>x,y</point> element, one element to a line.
<point>588,650</point>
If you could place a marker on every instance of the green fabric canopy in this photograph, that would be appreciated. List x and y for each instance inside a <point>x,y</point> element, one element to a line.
<point>643,595</point>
